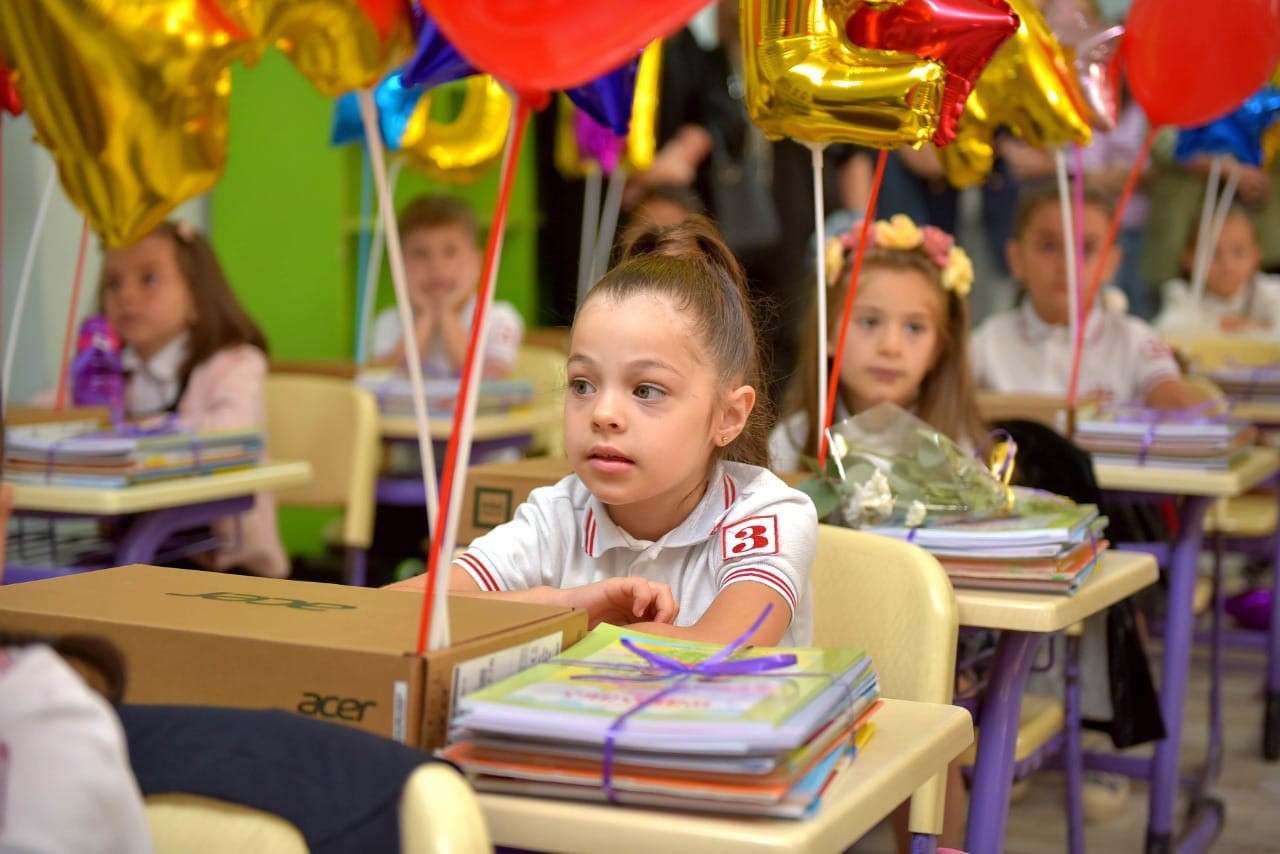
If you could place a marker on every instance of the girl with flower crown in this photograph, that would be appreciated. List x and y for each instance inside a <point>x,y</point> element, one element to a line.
<point>907,339</point>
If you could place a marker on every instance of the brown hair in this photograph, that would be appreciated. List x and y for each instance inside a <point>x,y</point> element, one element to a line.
<point>437,212</point>
<point>690,264</point>
<point>1036,195</point>
<point>221,321</point>
<point>946,399</point>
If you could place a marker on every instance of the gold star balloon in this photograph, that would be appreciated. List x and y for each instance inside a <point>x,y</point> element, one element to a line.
<point>130,97</point>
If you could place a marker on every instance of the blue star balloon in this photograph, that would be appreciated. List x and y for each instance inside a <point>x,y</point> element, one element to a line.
<point>396,104</point>
<point>608,99</point>
<point>1238,134</point>
<point>435,61</point>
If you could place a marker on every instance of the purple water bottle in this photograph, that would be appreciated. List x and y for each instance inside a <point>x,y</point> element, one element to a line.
<point>97,373</point>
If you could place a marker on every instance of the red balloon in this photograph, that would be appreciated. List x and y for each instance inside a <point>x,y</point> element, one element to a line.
<point>1190,62</point>
<point>10,100</point>
<point>544,45</point>
<point>961,34</point>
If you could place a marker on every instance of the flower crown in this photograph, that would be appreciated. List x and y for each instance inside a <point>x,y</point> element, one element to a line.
<point>899,232</point>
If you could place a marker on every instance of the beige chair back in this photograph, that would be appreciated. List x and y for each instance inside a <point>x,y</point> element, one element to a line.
<point>895,601</point>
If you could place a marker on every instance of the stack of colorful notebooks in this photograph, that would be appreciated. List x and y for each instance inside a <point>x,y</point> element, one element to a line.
<point>113,459</point>
<point>1047,544</point>
<point>761,744</point>
<point>1257,384</point>
<point>395,394</point>
<point>1168,440</point>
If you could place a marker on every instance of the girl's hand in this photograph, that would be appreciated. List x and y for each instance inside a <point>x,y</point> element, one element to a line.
<point>621,601</point>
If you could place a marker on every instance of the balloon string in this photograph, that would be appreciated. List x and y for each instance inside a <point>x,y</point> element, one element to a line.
<point>1069,225</point>
<point>444,534</point>
<point>1095,275</point>
<point>71,318</point>
<point>820,280</point>
<point>848,303</point>
<point>590,226</point>
<point>367,226</point>
<point>24,286</point>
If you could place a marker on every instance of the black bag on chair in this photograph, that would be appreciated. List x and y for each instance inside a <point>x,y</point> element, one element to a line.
<point>1048,460</point>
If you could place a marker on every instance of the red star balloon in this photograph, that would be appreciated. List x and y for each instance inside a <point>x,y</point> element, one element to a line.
<point>10,100</point>
<point>961,34</point>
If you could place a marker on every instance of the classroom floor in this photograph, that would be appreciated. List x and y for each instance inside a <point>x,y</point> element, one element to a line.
<point>1249,786</point>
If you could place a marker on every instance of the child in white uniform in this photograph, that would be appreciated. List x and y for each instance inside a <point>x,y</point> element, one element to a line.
<point>906,343</point>
<point>1238,297</point>
<point>669,523</point>
<point>1027,350</point>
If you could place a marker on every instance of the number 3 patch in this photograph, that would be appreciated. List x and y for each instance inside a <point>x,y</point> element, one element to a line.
<point>757,535</point>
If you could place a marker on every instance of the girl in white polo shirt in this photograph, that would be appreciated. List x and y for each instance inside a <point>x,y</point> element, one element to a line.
<point>670,523</point>
<point>1027,350</point>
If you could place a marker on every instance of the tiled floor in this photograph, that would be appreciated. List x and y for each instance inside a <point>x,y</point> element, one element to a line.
<point>1249,786</point>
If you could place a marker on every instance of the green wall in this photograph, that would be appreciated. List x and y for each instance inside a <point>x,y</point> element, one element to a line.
<point>285,219</point>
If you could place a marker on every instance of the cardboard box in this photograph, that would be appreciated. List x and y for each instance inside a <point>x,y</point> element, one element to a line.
<point>495,490</point>
<point>338,653</point>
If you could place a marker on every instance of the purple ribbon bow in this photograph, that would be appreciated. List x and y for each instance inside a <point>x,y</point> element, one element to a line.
<point>1201,413</point>
<point>670,668</point>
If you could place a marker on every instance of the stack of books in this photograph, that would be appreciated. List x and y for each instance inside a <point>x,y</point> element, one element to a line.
<point>114,459</point>
<point>1173,440</point>
<point>1047,544</point>
<point>395,395</point>
<point>761,744</point>
<point>1257,384</point>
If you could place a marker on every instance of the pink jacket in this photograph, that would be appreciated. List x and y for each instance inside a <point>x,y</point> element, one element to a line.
<point>228,391</point>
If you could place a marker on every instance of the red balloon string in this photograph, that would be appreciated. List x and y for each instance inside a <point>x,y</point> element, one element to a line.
<point>833,387</point>
<point>71,317</point>
<point>1095,275</point>
<point>474,351</point>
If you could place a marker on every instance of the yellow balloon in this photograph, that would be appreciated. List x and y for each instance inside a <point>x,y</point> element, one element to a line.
<point>1270,145</point>
<point>805,80</point>
<point>642,135</point>
<point>1030,88</point>
<point>130,97</point>
<point>463,149</point>
<point>338,45</point>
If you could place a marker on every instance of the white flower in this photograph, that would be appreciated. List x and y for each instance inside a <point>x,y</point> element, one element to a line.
<point>916,514</point>
<point>874,498</point>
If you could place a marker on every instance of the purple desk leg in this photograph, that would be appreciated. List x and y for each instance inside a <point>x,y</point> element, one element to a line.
<point>145,536</point>
<point>1271,721</point>
<point>1179,630</point>
<point>998,736</point>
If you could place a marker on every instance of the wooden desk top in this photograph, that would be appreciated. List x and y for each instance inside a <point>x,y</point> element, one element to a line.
<point>1256,466</point>
<point>912,742</point>
<point>166,493</point>
<point>1117,576</point>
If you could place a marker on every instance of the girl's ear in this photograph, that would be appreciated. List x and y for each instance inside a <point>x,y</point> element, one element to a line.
<point>733,416</point>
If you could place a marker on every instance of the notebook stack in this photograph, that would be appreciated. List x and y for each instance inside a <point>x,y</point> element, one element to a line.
<point>1256,384</point>
<point>114,460</point>
<point>395,396</point>
<point>1048,544</point>
<point>1202,441</point>
<point>761,744</point>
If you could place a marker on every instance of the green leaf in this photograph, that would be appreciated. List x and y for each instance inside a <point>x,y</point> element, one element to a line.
<point>823,495</point>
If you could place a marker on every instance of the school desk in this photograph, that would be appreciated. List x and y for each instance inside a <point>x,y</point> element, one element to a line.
<point>1023,619</point>
<point>1198,490</point>
<point>912,743</point>
<point>509,430</point>
<point>162,508</point>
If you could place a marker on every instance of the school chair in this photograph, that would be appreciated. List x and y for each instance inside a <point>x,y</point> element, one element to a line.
<point>895,601</point>
<point>544,369</point>
<point>213,774</point>
<point>439,814</point>
<point>1207,352</point>
<point>332,424</point>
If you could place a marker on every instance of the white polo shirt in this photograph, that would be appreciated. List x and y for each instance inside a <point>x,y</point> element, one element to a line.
<point>1015,352</point>
<point>749,526</point>
<point>506,330</point>
<point>1259,300</point>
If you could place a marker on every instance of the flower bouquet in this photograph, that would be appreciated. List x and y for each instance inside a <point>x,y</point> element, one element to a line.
<point>887,467</point>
